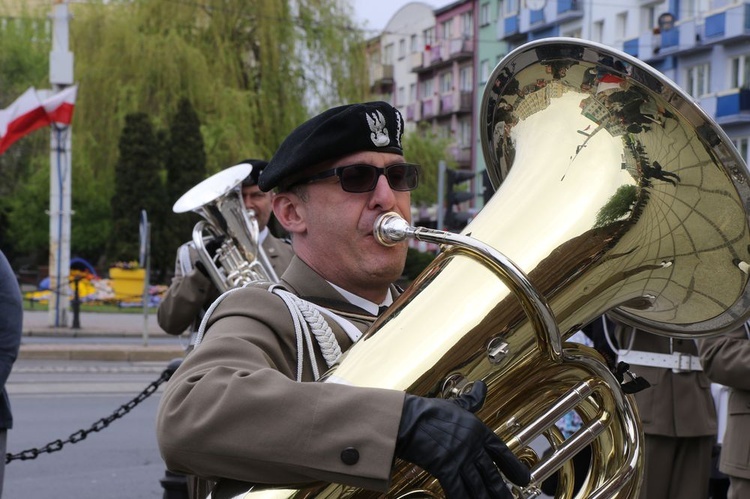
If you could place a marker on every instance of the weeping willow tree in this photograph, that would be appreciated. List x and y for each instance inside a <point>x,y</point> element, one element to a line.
<point>252,70</point>
<point>24,186</point>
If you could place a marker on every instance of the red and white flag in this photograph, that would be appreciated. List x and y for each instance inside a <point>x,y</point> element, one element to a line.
<point>29,113</point>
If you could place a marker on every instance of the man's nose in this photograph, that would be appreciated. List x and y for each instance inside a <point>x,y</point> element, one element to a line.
<point>383,195</point>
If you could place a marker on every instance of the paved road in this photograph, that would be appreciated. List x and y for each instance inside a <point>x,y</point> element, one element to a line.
<point>54,399</point>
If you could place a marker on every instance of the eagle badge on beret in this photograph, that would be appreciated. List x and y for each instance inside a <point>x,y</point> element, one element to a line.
<point>379,135</point>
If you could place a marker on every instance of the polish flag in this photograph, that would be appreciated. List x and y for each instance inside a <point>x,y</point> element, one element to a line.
<point>29,113</point>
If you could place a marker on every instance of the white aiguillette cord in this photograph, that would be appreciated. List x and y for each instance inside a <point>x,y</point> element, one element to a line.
<point>308,321</point>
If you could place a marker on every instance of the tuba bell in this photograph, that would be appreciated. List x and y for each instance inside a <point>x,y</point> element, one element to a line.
<point>227,240</point>
<point>615,194</point>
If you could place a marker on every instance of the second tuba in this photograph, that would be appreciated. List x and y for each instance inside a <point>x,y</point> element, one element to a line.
<point>227,240</point>
<point>615,194</point>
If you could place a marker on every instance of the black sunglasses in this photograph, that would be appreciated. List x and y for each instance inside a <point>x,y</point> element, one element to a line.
<point>364,178</point>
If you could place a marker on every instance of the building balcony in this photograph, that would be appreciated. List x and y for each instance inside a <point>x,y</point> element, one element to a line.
<point>429,108</point>
<point>462,155</point>
<point>381,78</point>
<point>732,105</point>
<point>731,24</point>
<point>509,28</point>
<point>685,37</point>
<point>568,10</point>
<point>411,112</point>
<point>417,61</point>
<point>444,53</point>
<point>460,48</point>
<point>466,104</point>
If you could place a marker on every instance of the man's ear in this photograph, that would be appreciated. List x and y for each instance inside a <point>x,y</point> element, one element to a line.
<point>289,211</point>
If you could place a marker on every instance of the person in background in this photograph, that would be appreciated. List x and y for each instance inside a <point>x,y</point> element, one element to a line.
<point>726,360</point>
<point>11,322</point>
<point>677,412</point>
<point>244,405</point>
<point>191,291</point>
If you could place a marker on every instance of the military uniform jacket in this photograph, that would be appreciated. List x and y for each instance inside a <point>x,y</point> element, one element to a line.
<point>676,404</point>
<point>11,319</point>
<point>233,409</point>
<point>191,294</point>
<point>726,360</point>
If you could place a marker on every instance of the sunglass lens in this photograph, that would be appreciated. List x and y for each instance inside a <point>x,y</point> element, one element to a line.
<point>359,178</point>
<point>402,177</point>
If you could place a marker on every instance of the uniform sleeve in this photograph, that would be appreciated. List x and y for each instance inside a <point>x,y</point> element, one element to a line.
<point>11,319</point>
<point>726,359</point>
<point>183,301</point>
<point>233,410</point>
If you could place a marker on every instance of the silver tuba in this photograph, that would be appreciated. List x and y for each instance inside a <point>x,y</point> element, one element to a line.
<point>236,257</point>
<point>615,194</point>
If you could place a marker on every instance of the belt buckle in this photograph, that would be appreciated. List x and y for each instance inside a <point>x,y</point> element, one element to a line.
<point>684,363</point>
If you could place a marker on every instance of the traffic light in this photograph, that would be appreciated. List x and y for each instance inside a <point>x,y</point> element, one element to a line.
<point>456,220</point>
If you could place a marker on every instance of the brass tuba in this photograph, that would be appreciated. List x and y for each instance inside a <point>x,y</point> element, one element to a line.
<point>235,257</point>
<point>615,193</point>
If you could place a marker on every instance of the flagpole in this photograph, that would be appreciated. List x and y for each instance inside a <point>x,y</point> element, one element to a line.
<point>61,76</point>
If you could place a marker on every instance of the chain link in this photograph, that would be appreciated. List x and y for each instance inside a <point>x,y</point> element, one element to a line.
<point>99,425</point>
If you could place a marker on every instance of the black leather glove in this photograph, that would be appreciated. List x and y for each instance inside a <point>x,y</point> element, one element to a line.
<point>448,441</point>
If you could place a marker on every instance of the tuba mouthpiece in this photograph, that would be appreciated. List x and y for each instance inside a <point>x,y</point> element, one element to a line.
<point>390,229</point>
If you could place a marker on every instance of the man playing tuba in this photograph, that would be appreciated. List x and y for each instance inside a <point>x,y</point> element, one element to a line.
<point>244,405</point>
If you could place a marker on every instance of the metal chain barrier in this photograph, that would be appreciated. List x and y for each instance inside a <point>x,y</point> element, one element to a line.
<point>100,424</point>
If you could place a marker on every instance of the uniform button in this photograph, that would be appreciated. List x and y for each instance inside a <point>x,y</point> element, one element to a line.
<point>350,455</point>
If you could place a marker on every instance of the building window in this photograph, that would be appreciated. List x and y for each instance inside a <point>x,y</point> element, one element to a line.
<point>484,14</point>
<point>467,24</point>
<point>740,67</point>
<point>597,31</point>
<point>412,93</point>
<point>413,44</point>
<point>574,33</point>
<point>427,88</point>
<point>689,9</point>
<point>447,29</point>
<point>401,96</point>
<point>697,81</point>
<point>510,8</point>
<point>388,54</point>
<point>464,133</point>
<point>429,36</point>
<point>648,17</point>
<point>401,48</point>
<point>484,71</point>
<point>621,25</point>
<point>446,83</point>
<point>465,82</point>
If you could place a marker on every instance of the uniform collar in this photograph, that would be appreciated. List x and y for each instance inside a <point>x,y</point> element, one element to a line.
<point>360,302</point>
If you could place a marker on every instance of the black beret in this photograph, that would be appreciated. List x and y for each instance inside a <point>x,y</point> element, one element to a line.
<point>370,126</point>
<point>258,165</point>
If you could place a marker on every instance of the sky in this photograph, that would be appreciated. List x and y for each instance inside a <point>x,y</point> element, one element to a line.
<point>377,13</point>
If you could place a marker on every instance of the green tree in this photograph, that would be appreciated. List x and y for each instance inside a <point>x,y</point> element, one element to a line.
<point>425,147</point>
<point>619,205</point>
<point>185,162</point>
<point>138,186</point>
